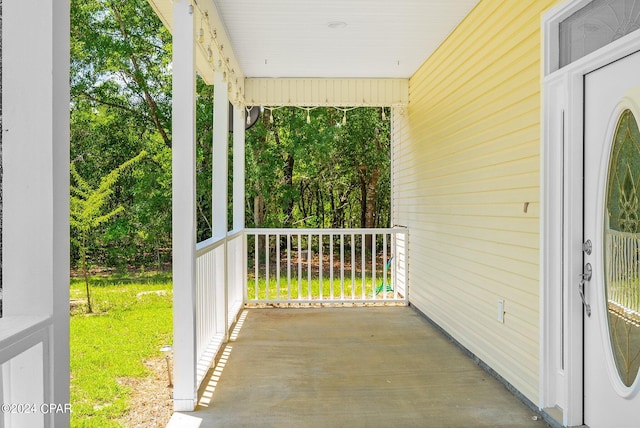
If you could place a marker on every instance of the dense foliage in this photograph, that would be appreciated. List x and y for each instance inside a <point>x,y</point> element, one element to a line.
<point>121,106</point>
<point>321,172</point>
<point>325,173</point>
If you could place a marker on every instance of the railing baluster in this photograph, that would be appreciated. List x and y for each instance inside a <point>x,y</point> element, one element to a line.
<point>353,266</point>
<point>610,267</point>
<point>300,266</point>
<point>620,267</point>
<point>255,263</point>
<point>277,248</point>
<point>331,266</point>
<point>618,276</point>
<point>626,269</point>
<point>623,273</point>
<point>342,266</point>
<point>384,266</point>
<point>320,263</point>
<point>636,288</point>
<point>373,264</point>
<point>634,261</point>
<point>288,266</point>
<point>632,280</point>
<point>309,241</point>
<point>363,255</point>
<point>394,265</point>
<point>636,280</point>
<point>266,266</point>
<point>630,271</point>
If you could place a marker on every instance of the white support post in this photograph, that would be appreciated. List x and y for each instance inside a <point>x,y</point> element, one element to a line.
<point>220,197</point>
<point>240,274</point>
<point>35,143</point>
<point>59,345</point>
<point>220,154</point>
<point>238,168</point>
<point>184,213</point>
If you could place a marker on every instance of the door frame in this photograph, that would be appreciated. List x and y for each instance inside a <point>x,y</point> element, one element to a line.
<point>561,225</point>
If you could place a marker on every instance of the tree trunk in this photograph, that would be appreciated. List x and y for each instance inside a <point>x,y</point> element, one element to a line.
<point>338,209</point>
<point>258,220</point>
<point>138,76</point>
<point>363,195</point>
<point>372,187</point>
<point>258,210</point>
<point>288,181</point>
<point>85,271</point>
<point>368,189</point>
<point>344,198</point>
<point>319,207</point>
<point>303,206</point>
<point>333,209</point>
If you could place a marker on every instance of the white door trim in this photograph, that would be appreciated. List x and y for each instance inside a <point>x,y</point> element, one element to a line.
<point>561,311</point>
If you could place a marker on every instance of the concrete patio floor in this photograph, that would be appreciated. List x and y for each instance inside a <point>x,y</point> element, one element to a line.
<point>349,367</point>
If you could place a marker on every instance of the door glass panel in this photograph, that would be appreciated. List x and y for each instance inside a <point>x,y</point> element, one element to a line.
<point>622,248</point>
<point>596,25</point>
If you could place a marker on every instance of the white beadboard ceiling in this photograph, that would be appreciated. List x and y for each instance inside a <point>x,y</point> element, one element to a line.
<point>381,38</point>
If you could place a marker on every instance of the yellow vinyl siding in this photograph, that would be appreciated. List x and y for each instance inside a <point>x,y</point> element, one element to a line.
<point>466,161</point>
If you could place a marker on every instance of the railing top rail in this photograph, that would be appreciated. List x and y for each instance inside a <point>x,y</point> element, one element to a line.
<point>620,233</point>
<point>208,245</point>
<point>14,330</point>
<point>211,244</point>
<point>320,231</point>
<point>235,234</point>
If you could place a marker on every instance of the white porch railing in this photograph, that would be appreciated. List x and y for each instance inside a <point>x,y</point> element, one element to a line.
<point>283,266</point>
<point>25,371</point>
<point>219,295</point>
<point>326,266</point>
<point>622,260</point>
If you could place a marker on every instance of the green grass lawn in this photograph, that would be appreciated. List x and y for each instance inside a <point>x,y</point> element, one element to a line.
<point>304,289</point>
<point>132,320</point>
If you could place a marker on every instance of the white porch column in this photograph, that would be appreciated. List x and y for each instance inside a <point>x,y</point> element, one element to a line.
<point>35,145</point>
<point>60,218</point>
<point>220,197</point>
<point>238,168</point>
<point>184,213</point>
<point>220,154</point>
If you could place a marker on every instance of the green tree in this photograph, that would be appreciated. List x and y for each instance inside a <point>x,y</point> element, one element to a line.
<point>120,105</point>
<point>89,209</point>
<point>120,57</point>
<point>365,149</point>
<point>320,173</point>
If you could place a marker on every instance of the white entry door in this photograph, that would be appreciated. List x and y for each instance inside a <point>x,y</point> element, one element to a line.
<point>611,278</point>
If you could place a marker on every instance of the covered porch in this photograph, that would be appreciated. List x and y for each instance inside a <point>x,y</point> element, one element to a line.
<point>383,366</point>
<point>469,226</point>
<point>485,123</point>
<point>237,266</point>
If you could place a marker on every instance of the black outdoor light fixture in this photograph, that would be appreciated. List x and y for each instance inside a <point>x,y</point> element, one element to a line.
<point>252,115</point>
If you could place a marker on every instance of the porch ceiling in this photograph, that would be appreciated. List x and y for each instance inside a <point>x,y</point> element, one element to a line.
<point>297,38</point>
<point>335,38</point>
